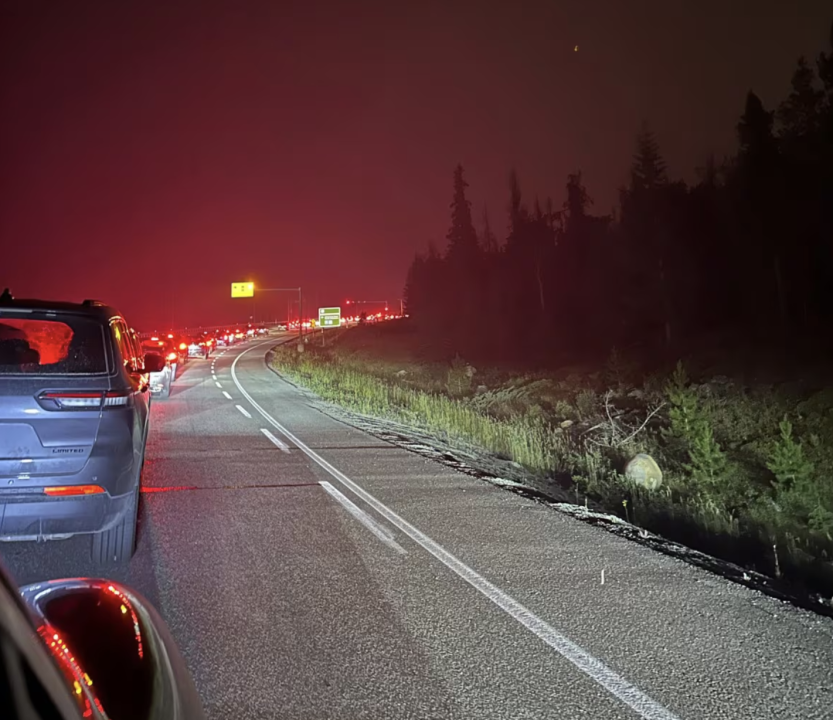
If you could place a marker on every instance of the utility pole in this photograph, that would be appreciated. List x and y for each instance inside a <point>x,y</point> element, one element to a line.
<point>300,319</point>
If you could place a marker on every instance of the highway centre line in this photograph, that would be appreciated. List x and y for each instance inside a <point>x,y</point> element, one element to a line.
<point>243,411</point>
<point>645,706</point>
<point>228,397</point>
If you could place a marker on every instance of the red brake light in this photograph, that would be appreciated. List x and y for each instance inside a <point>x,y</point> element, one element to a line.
<point>86,400</point>
<point>183,346</point>
<point>68,490</point>
<point>154,339</point>
<point>170,336</point>
<point>172,357</point>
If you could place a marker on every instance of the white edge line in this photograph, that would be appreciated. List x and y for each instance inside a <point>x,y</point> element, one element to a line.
<point>277,441</point>
<point>615,684</point>
<point>228,397</point>
<point>378,530</point>
<point>243,411</point>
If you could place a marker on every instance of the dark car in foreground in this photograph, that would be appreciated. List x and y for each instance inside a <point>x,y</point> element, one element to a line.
<point>91,649</point>
<point>74,410</point>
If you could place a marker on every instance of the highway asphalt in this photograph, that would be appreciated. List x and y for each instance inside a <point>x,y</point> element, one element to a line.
<point>317,572</point>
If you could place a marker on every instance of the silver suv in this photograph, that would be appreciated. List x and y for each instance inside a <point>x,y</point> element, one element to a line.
<point>74,406</point>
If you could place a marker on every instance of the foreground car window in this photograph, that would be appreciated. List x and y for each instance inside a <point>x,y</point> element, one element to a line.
<point>48,346</point>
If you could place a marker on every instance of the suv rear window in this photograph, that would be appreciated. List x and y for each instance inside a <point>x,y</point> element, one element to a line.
<point>41,345</point>
<point>157,346</point>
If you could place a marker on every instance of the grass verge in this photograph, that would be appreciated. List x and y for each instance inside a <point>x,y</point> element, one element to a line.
<point>747,470</point>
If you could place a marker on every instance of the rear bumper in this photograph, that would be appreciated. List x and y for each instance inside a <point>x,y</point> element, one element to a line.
<point>159,380</point>
<point>36,517</point>
<point>26,513</point>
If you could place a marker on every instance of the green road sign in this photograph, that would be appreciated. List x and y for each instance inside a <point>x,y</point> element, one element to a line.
<point>329,317</point>
<point>242,289</point>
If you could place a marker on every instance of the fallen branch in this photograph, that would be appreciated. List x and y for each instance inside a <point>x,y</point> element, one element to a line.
<point>595,427</point>
<point>613,430</point>
<point>639,429</point>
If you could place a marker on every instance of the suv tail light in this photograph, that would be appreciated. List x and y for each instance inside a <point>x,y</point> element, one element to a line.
<point>172,357</point>
<point>80,400</point>
<point>117,398</point>
<point>73,400</point>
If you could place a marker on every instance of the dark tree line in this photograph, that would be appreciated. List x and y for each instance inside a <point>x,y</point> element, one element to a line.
<point>748,248</point>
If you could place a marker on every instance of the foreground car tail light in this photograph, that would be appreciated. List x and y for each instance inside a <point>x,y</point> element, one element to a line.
<point>73,400</point>
<point>69,490</point>
<point>81,400</point>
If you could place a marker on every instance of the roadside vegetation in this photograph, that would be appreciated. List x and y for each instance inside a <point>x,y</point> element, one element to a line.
<point>747,469</point>
<point>730,273</point>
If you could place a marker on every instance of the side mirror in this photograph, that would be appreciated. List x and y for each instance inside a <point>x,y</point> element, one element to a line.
<point>154,363</point>
<point>113,650</point>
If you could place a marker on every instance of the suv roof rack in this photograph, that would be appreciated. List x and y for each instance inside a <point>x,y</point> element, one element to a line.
<point>6,297</point>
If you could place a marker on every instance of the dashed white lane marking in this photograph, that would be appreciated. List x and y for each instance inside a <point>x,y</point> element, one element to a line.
<point>644,705</point>
<point>218,385</point>
<point>244,411</point>
<point>277,441</point>
<point>379,530</point>
<point>228,397</point>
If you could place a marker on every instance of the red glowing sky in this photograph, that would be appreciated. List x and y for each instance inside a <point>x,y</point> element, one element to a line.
<point>152,153</point>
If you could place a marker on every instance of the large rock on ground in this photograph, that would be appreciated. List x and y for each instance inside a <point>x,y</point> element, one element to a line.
<point>643,470</point>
